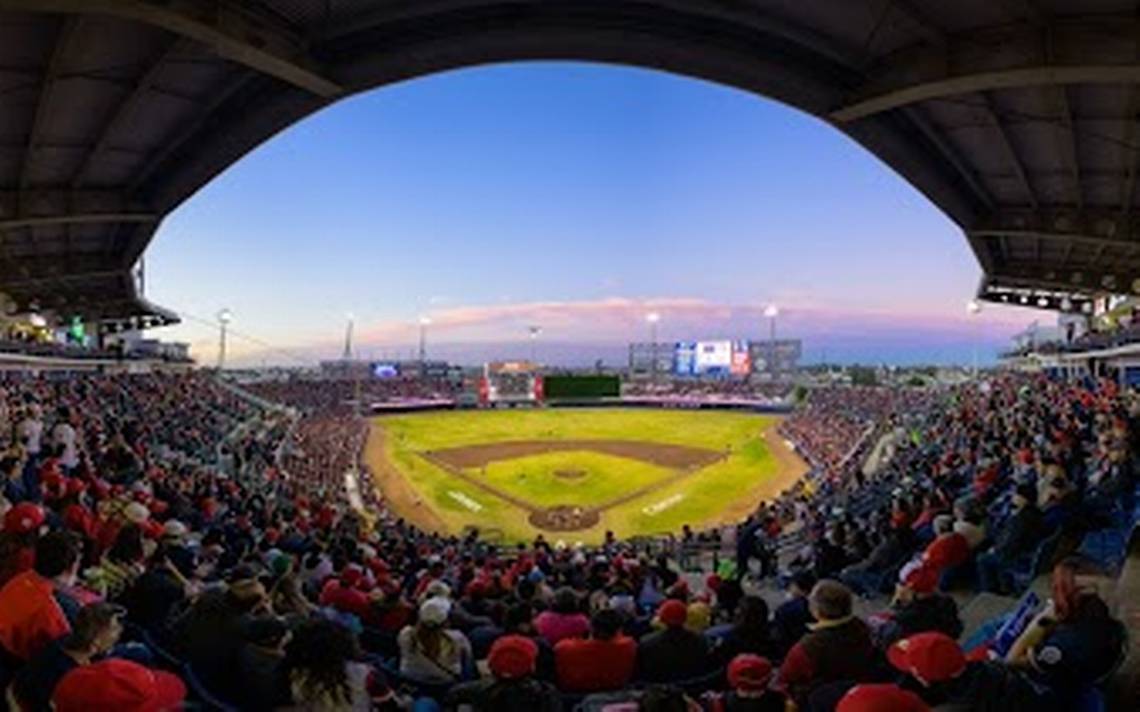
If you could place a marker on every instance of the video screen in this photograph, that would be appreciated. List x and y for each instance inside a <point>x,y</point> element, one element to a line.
<point>711,358</point>
<point>385,370</point>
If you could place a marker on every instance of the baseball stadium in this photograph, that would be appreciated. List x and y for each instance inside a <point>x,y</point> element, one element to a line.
<point>703,521</point>
<point>577,473</point>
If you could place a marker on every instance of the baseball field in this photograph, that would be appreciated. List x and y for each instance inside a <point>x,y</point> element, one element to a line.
<point>573,474</point>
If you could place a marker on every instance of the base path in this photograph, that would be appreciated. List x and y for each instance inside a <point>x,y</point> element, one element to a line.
<point>674,457</point>
<point>401,498</point>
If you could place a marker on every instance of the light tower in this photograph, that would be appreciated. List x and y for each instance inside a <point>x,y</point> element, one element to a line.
<point>225,316</point>
<point>771,312</point>
<point>425,322</point>
<point>348,338</point>
<point>533,333</point>
<point>973,309</point>
<point>653,318</point>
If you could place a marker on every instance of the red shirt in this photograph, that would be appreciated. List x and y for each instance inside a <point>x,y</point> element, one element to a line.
<point>30,617</point>
<point>344,598</point>
<point>588,665</point>
<point>946,551</point>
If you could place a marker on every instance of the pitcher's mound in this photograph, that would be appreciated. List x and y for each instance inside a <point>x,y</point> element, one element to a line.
<point>570,474</point>
<point>564,518</point>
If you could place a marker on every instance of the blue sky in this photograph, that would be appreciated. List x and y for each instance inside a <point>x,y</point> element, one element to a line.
<point>577,197</point>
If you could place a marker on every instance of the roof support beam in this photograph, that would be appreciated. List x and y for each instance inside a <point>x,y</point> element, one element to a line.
<point>988,81</point>
<point>232,34</point>
<point>68,30</point>
<point>1070,238</point>
<point>1010,150</point>
<point>126,108</point>
<point>76,219</point>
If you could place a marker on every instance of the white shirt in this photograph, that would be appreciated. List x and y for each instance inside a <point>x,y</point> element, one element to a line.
<point>31,432</point>
<point>64,435</point>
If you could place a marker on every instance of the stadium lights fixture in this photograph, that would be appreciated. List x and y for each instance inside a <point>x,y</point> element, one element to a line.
<point>425,321</point>
<point>653,317</point>
<point>771,311</point>
<point>973,307</point>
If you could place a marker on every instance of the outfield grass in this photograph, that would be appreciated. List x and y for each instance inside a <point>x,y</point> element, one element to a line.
<point>727,488</point>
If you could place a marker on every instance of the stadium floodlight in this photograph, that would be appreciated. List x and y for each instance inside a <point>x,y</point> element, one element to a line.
<point>653,317</point>
<point>425,322</point>
<point>771,311</point>
<point>973,307</point>
<point>225,316</point>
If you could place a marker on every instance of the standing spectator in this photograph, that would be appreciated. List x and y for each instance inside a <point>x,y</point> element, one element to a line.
<point>63,440</point>
<point>674,653</point>
<point>604,661</point>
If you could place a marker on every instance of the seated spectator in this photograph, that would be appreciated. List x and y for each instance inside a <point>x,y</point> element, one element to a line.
<point>1016,539</point>
<point>918,607</point>
<point>867,576</point>
<point>968,521</point>
<point>880,698</point>
<point>1074,641</point>
<point>210,632</point>
<point>429,651</point>
<point>34,608</point>
<point>564,619</point>
<point>749,678</point>
<point>119,685</point>
<point>604,661</point>
<point>838,647</point>
<point>23,525</point>
<point>793,617</point>
<point>674,653</point>
<point>321,669</point>
<point>949,549</point>
<point>96,631</point>
<point>123,563</point>
<point>513,687</point>
<point>938,671</point>
<point>750,632</point>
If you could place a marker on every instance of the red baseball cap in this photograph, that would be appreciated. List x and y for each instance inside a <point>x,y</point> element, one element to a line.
<point>749,672</point>
<point>24,518</point>
<point>673,613</point>
<point>512,657</point>
<point>880,698</point>
<point>116,685</point>
<point>928,657</point>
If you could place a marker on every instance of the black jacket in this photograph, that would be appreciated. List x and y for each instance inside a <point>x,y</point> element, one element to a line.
<point>671,655</point>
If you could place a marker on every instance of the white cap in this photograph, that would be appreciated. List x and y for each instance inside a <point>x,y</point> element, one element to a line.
<point>435,611</point>
<point>136,513</point>
<point>174,529</point>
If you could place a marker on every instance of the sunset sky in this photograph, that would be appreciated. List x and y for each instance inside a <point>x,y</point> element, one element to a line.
<point>578,198</point>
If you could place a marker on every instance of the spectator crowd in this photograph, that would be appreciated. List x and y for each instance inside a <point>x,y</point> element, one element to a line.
<point>168,542</point>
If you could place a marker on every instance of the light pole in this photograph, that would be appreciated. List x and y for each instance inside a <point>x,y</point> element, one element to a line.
<point>348,338</point>
<point>771,312</point>
<point>225,316</point>
<point>533,332</point>
<point>425,322</point>
<point>653,318</point>
<point>974,308</point>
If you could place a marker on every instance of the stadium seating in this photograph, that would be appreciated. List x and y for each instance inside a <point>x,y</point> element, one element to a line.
<point>234,498</point>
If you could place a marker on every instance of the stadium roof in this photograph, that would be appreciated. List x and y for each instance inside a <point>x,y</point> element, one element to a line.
<point>1018,118</point>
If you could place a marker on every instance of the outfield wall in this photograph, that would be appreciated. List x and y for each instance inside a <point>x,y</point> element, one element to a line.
<point>667,402</point>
